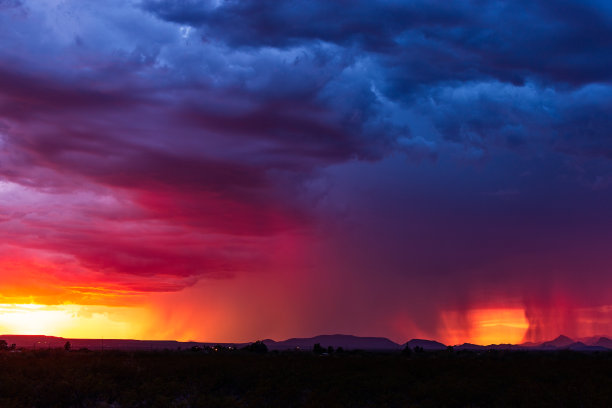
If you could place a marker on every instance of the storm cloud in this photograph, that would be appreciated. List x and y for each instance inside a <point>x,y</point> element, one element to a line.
<point>149,145</point>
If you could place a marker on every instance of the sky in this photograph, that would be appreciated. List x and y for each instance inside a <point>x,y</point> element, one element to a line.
<point>225,170</point>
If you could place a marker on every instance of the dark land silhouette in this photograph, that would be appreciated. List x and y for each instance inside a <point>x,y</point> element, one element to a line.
<point>346,342</point>
<point>325,376</point>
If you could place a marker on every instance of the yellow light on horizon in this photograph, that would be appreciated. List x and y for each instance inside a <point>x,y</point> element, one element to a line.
<point>495,326</point>
<point>75,321</point>
<point>485,326</point>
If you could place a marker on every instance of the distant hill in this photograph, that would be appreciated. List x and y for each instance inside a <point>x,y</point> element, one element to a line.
<point>347,342</point>
<point>560,342</point>
<point>589,341</point>
<point>603,342</point>
<point>530,344</point>
<point>469,346</point>
<point>46,342</point>
<point>580,346</point>
<point>426,344</point>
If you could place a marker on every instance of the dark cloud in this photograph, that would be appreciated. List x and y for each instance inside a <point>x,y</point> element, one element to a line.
<point>486,74</point>
<point>145,150</point>
<point>10,4</point>
<point>424,41</point>
<point>215,185</point>
<point>527,119</point>
<point>270,23</point>
<point>24,96</point>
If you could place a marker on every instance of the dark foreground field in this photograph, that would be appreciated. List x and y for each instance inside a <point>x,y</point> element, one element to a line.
<point>57,378</point>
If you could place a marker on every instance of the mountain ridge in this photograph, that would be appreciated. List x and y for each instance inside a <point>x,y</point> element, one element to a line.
<point>346,341</point>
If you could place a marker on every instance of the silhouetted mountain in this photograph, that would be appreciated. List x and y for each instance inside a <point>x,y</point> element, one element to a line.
<point>506,346</point>
<point>345,341</point>
<point>426,344</point>
<point>45,342</point>
<point>589,341</point>
<point>469,346</point>
<point>560,342</point>
<point>580,346</point>
<point>603,342</point>
<point>38,342</point>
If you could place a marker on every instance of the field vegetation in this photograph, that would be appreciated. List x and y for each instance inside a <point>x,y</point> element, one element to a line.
<point>256,378</point>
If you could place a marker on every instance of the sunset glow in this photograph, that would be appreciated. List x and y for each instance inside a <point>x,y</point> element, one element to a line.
<point>69,321</point>
<point>223,171</point>
<point>485,326</point>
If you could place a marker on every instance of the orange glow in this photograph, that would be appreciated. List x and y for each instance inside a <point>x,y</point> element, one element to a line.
<point>485,326</point>
<point>73,321</point>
